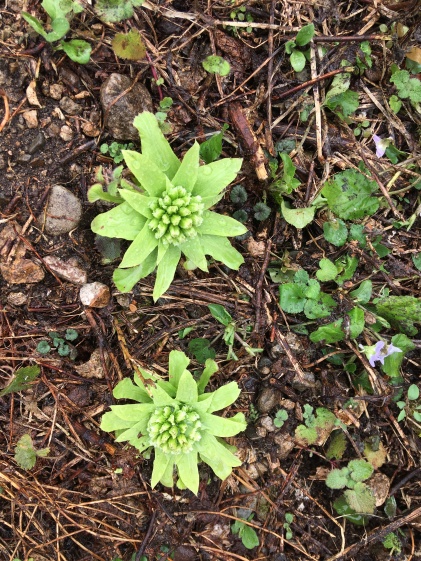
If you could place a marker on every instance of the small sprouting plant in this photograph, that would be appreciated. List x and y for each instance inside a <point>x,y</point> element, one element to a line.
<point>25,453</point>
<point>201,349</point>
<point>246,533</point>
<point>116,10</point>
<point>230,333</point>
<point>317,428</point>
<point>363,59</point>
<point>253,413</point>
<point>168,214</point>
<point>289,519</point>
<point>280,418</point>
<point>305,295</point>
<point>60,344</point>
<point>161,116</point>
<point>358,495</point>
<point>408,408</point>
<point>216,65</point>
<point>297,58</point>
<point>240,14</point>
<point>114,150</point>
<point>238,195</point>
<point>175,418</point>
<point>61,13</point>
<point>261,211</point>
<point>392,542</point>
<point>298,217</point>
<point>408,88</point>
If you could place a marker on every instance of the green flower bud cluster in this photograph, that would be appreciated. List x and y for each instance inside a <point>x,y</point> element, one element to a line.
<point>174,429</point>
<point>176,216</point>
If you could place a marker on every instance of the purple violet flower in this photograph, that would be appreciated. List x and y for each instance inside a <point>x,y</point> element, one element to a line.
<point>379,352</point>
<point>381,145</point>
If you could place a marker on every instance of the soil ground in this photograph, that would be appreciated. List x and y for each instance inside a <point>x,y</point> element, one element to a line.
<point>90,497</point>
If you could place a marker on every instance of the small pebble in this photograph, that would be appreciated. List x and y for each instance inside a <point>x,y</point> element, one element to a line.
<point>37,144</point>
<point>69,106</point>
<point>95,295</point>
<point>66,270</point>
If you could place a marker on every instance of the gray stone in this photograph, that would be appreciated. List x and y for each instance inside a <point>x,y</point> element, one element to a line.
<point>268,398</point>
<point>120,115</point>
<point>66,270</point>
<point>95,294</point>
<point>63,213</point>
<point>37,144</point>
<point>69,106</point>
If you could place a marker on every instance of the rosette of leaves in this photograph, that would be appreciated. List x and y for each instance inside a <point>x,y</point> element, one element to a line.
<point>166,214</point>
<point>176,419</point>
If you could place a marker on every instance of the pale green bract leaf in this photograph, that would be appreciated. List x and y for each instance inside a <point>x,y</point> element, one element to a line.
<point>210,368</point>
<point>188,471</point>
<point>166,271</point>
<point>160,465</point>
<point>127,390</point>
<point>217,456</point>
<point>187,173</point>
<point>125,279</point>
<point>178,362</point>
<point>138,202</point>
<point>149,175</point>
<point>120,222</point>
<point>154,145</point>
<point>214,177</point>
<point>141,247</point>
<point>222,397</point>
<point>187,388</point>
<point>219,225</point>
<point>221,250</point>
<point>218,426</point>
<point>193,250</point>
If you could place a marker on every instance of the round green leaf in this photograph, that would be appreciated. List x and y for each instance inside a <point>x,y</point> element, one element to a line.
<point>298,60</point>
<point>216,65</point>
<point>413,392</point>
<point>77,50</point>
<point>335,232</point>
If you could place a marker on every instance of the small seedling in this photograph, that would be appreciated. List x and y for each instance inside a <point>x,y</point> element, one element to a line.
<point>60,344</point>
<point>216,65</point>
<point>115,150</point>
<point>358,495</point>
<point>25,453</point>
<point>246,533</point>
<point>240,14</point>
<point>317,426</point>
<point>410,409</point>
<point>61,13</point>
<point>408,88</point>
<point>261,211</point>
<point>230,332</point>
<point>289,519</point>
<point>161,116</point>
<point>201,349</point>
<point>238,195</point>
<point>280,418</point>
<point>393,543</point>
<point>297,58</point>
<point>175,418</point>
